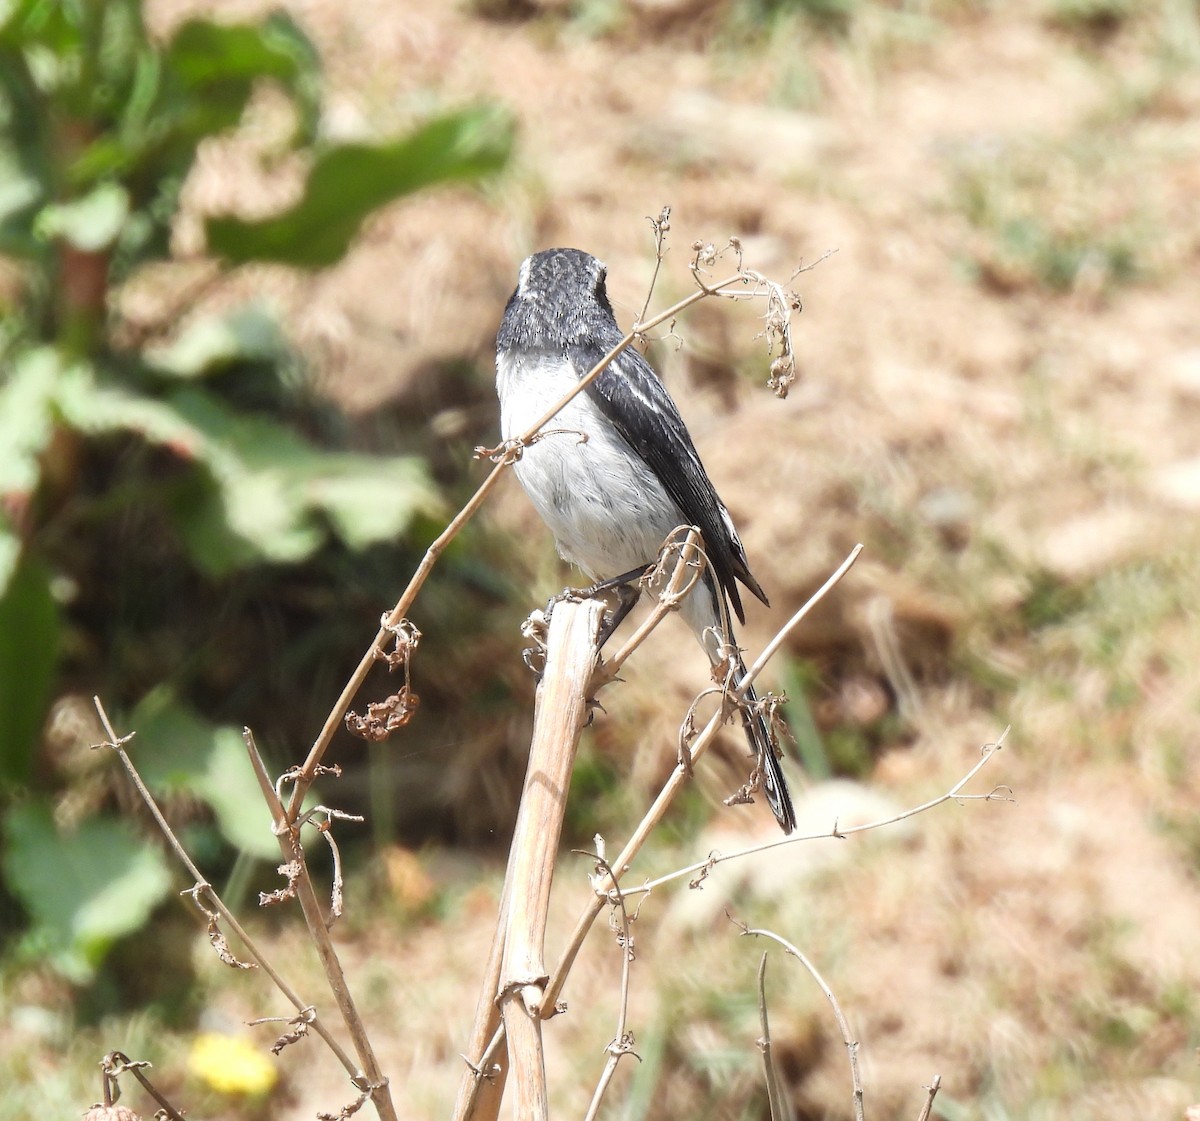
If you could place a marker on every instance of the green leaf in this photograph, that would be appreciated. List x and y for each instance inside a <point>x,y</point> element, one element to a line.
<point>95,408</point>
<point>270,485</point>
<point>266,494</point>
<point>370,500</point>
<point>349,181</point>
<point>216,66</point>
<point>177,751</point>
<point>30,631</point>
<point>10,554</point>
<point>90,223</point>
<point>26,421</point>
<point>83,889</point>
<point>217,342</point>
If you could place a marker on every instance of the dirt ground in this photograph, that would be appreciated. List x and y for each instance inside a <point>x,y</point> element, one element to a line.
<point>1000,397</point>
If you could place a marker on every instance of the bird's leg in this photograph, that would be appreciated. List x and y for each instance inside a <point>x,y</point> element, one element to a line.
<point>627,590</point>
<point>627,596</point>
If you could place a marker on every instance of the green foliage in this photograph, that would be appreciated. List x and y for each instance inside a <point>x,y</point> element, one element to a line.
<point>184,462</point>
<point>185,754</point>
<point>29,641</point>
<point>348,181</point>
<point>84,889</point>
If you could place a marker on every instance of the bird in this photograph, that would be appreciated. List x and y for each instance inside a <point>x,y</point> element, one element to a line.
<point>617,470</point>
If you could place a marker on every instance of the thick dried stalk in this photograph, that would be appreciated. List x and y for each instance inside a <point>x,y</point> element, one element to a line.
<point>562,712</point>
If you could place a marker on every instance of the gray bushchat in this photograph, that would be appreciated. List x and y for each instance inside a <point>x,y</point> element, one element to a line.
<point>625,472</point>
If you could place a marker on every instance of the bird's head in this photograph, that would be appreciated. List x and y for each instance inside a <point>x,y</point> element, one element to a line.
<point>560,299</point>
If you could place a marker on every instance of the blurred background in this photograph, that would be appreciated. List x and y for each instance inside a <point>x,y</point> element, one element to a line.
<point>251,266</point>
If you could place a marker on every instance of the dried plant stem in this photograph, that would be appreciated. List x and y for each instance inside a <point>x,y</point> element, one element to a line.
<point>308,770</point>
<point>935,1084</point>
<point>622,1042</point>
<point>775,1102</point>
<point>298,1002</point>
<point>561,714</point>
<point>482,1086</point>
<point>116,1063</point>
<point>370,1078</point>
<point>843,1026</point>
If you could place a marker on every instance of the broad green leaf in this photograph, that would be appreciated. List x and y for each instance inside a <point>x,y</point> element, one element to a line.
<point>252,461</point>
<point>90,223</point>
<point>349,181</point>
<point>217,342</point>
<point>30,631</point>
<point>83,889</point>
<point>26,426</point>
<point>217,64</point>
<point>94,408</point>
<point>271,485</point>
<point>268,494</point>
<point>370,500</point>
<point>177,751</point>
<point>25,146</point>
<point>10,553</point>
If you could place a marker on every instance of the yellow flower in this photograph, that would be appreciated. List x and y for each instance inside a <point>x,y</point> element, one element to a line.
<point>230,1065</point>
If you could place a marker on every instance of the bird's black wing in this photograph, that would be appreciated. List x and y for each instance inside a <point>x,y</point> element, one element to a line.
<point>630,394</point>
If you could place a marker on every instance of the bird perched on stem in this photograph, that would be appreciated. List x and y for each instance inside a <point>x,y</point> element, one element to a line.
<point>616,471</point>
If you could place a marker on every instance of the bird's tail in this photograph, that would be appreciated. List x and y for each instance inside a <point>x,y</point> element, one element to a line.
<point>758,733</point>
<point>721,646</point>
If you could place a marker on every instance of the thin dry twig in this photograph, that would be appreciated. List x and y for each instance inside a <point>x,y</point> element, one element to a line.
<point>775,1102</point>
<point>935,1084</point>
<point>370,1076</point>
<point>116,744</point>
<point>781,636</point>
<point>623,1042</point>
<point>685,543</point>
<point>843,1026</point>
<point>661,227</point>
<point>996,794</point>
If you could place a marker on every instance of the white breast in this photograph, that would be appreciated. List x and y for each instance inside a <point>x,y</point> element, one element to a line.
<point>607,510</point>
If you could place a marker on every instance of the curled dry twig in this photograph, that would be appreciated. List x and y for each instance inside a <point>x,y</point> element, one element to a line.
<point>299,1025</point>
<point>216,938</point>
<point>115,1064</point>
<point>349,1110</point>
